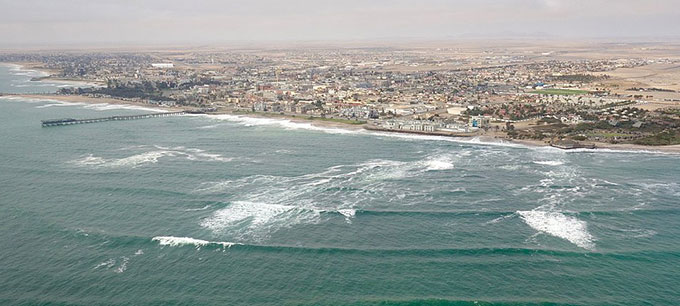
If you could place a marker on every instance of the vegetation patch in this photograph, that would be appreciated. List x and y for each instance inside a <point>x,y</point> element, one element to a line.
<point>660,139</point>
<point>562,92</point>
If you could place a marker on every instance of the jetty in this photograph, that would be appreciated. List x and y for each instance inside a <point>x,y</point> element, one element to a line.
<point>71,121</point>
<point>570,145</point>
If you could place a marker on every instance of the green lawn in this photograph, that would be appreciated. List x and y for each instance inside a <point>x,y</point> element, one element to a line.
<point>564,92</point>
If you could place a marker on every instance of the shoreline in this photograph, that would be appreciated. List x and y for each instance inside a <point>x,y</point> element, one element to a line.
<point>600,146</point>
<point>93,100</point>
<point>346,126</point>
<point>317,122</point>
<point>47,74</point>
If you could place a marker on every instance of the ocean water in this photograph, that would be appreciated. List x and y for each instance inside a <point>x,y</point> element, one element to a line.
<point>15,79</point>
<point>228,210</point>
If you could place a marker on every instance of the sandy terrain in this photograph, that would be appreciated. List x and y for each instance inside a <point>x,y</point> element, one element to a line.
<point>666,76</point>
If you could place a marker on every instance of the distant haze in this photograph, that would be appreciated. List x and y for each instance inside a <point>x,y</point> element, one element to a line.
<point>35,22</point>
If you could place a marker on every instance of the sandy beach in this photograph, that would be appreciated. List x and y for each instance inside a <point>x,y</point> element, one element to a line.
<point>336,125</point>
<point>601,145</point>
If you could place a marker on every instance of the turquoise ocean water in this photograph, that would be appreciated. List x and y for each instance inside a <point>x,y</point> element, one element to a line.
<point>228,210</point>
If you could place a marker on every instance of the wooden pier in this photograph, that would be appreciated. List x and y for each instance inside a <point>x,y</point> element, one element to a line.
<point>71,121</point>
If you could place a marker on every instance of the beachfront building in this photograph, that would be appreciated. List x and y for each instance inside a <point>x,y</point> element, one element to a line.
<point>479,121</point>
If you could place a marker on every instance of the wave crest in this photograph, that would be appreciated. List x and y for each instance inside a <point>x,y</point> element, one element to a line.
<point>149,157</point>
<point>549,162</point>
<point>559,225</point>
<point>179,241</point>
<point>257,220</point>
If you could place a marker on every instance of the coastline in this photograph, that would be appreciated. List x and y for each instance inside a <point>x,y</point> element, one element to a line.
<point>602,146</point>
<point>346,126</point>
<point>31,66</point>
<point>317,122</point>
<point>47,74</point>
<point>93,100</point>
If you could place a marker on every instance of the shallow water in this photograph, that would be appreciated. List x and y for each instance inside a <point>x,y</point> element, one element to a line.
<point>238,211</point>
<point>16,79</point>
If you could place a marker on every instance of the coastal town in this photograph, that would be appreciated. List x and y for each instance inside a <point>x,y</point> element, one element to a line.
<point>548,96</point>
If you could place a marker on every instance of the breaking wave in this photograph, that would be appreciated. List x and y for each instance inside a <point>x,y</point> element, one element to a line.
<point>559,225</point>
<point>265,203</point>
<point>439,163</point>
<point>149,157</point>
<point>549,162</point>
<point>285,123</point>
<point>295,125</point>
<point>97,106</point>
<point>198,243</point>
<point>198,209</point>
<point>425,252</point>
<point>108,106</point>
<point>257,220</point>
<point>112,262</point>
<point>348,213</point>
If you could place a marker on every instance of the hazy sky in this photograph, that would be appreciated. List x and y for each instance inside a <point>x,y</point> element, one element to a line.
<point>215,21</point>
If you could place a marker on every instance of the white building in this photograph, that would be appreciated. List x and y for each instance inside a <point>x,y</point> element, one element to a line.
<point>163,65</point>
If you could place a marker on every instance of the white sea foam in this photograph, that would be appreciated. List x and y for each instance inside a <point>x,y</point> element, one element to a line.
<point>59,103</point>
<point>257,220</point>
<point>110,263</point>
<point>659,188</point>
<point>198,209</point>
<point>499,219</point>
<point>179,241</point>
<point>130,161</point>
<point>293,200</point>
<point>89,160</point>
<point>22,99</point>
<point>511,167</point>
<point>458,140</point>
<point>152,157</point>
<point>123,265</point>
<point>21,70</point>
<point>96,106</point>
<point>549,162</point>
<point>337,176</point>
<point>285,123</point>
<point>642,233</point>
<point>108,106</point>
<point>559,225</point>
<point>292,125</point>
<point>348,213</point>
<point>12,66</point>
<point>288,201</point>
<point>439,163</point>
